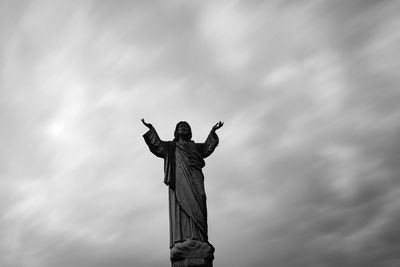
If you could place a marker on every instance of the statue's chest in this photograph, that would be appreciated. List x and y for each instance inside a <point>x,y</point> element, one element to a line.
<point>188,153</point>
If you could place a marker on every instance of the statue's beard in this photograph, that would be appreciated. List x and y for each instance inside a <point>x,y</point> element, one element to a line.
<point>184,136</point>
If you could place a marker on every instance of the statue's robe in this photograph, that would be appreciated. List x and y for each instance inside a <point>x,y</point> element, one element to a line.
<point>183,163</point>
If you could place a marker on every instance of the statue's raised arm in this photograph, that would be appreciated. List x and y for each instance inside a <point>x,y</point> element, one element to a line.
<point>207,148</point>
<point>153,141</point>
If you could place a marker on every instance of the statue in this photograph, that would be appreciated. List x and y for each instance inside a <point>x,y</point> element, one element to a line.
<point>183,163</point>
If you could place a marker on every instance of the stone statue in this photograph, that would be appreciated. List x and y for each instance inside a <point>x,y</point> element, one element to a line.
<point>183,163</point>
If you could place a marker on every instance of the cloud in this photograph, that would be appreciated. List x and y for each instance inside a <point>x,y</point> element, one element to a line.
<point>306,170</point>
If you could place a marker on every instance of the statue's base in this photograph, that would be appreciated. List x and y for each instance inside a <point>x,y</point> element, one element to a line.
<point>192,262</point>
<point>192,253</point>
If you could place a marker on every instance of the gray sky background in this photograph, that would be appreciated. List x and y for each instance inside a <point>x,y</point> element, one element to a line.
<point>307,170</point>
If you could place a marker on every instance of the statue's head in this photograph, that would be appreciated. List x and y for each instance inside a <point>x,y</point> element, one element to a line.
<point>183,129</point>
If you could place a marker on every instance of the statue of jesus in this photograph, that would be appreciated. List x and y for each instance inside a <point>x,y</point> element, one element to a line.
<point>183,163</point>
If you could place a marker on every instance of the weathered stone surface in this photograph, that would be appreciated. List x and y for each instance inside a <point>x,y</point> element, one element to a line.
<point>191,249</point>
<point>192,262</point>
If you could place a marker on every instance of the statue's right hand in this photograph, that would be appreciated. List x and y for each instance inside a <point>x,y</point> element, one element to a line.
<point>148,125</point>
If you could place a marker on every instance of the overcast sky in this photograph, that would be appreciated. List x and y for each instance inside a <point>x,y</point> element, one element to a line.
<point>307,169</point>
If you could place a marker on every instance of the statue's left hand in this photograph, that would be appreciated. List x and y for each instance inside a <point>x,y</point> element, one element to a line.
<point>148,125</point>
<point>217,126</point>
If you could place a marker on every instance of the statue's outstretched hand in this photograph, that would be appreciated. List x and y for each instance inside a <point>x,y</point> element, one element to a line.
<point>217,126</point>
<point>148,125</point>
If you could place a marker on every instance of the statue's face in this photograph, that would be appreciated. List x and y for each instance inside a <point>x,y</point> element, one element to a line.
<point>183,129</point>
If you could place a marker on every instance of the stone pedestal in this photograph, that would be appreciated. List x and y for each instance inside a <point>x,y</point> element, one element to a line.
<point>192,253</point>
<point>192,262</point>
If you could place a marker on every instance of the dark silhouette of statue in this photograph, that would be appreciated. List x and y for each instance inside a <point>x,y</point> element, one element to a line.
<point>183,163</point>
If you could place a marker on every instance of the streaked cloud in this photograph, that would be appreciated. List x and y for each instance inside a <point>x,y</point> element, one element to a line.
<point>307,169</point>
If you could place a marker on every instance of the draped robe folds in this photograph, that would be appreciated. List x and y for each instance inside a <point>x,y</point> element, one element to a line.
<point>183,163</point>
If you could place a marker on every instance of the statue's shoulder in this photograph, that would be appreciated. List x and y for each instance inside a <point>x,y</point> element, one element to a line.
<point>170,143</point>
